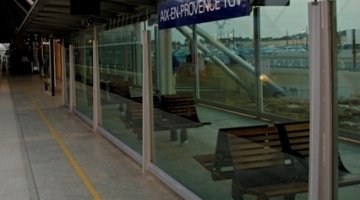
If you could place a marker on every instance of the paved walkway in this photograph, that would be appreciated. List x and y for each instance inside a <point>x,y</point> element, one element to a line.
<point>47,153</point>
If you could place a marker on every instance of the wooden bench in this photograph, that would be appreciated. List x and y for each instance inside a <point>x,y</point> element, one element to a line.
<point>134,115</point>
<point>47,83</point>
<point>260,167</point>
<point>295,139</point>
<point>266,161</point>
<point>171,112</point>
<point>220,164</point>
<point>120,87</point>
<point>180,113</point>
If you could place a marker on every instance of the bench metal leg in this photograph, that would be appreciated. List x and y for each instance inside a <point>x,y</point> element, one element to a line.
<point>173,135</point>
<point>183,135</point>
<point>236,192</point>
<point>289,197</point>
<point>262,197</point>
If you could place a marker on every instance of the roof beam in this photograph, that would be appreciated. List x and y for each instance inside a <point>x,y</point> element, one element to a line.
<point>135,2</point>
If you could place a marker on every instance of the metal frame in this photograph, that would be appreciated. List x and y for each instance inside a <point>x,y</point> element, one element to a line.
<point>322,172</point>
<point>257,57</point>
<point>63,74</point>
<point>147,103</point>
<point>96,83</point>
<point>72,100</point>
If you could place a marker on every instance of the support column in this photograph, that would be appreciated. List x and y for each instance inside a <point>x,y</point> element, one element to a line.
<point>257,57</point>
<point>166,83</point>
<point>63,76</point>
<point>147,102</point>
<point>196,61</point>
<point>323,173</point>
<point>96,84</point>
<point>52,66</point>
<point>72,86</point>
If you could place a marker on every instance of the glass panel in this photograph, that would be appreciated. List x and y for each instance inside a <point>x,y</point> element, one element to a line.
<point>185,144</point>
<point>207,157</point>
<point>284,62</point>
<point>67,77</point>
<point>348,73</point>
<point>46,59</point>
<point>120,54</point>
<point>83,60</point>
<point>182,68</point>
<point>227,63</point>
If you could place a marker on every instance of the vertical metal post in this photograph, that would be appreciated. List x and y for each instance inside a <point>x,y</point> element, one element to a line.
<point>354,48</point>
<point>96,83</point>
<point>52,66</point>
<point>147,102</point>
<point>166,83</point>
<point>196,61</point>
<point>63,75</point>
<point>257,57</point>
<point>322,172</point>
<point>72,100</point>
<point>157,58</point>
<point>137,53</point>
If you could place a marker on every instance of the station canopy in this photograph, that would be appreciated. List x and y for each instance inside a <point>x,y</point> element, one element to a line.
<point>45,17</point>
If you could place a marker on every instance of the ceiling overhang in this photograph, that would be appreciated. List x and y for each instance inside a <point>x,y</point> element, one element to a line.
<point>53,16</point>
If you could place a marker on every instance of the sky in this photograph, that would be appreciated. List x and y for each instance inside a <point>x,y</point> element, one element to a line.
<point>277,21</point>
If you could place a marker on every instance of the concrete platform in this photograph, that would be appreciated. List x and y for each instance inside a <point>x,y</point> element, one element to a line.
<point>48,153</point>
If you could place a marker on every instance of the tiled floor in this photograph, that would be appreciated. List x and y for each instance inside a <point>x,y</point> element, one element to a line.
<point>35,130</point>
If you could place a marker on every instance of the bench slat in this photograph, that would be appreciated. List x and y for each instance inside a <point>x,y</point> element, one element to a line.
<point>247,132</point>
<point>255,139</point>
<point>253,145</point>
<point>259,157</point>
<point>299,140</point>
<point>254,165</point>
<point>282,189</point>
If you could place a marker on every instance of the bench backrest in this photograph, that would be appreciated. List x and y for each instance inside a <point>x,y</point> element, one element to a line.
<point>120,87</point>
<point>222,150</point>
<point>295,138</point>
<point>255,147</point>
<point>242,148</point>
<point>182,105</point>
<point>134,111</point>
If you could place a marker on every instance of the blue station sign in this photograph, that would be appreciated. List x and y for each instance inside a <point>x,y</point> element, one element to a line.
<point>174,13</point>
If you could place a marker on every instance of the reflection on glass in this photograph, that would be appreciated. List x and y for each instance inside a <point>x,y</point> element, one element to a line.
<point>284,64</point>
<point>200,157</point>
<point>120,58</point>
<point>348,100</point>
<point>83,60</point>
<point>67,77</point>
<point>186,133</point>
<point>182,67</point>
<point>228,70</point>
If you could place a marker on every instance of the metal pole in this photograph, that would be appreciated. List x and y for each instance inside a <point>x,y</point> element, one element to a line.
<point>63,74</point>
<point>257,57</point>
<point>354,48</point>
<point>96,84</point>
<point>321,176</point>
<point>196,61</point>
<point>72,102</point>
<point>147,102</point>
<point>52,66</point>
<point>166,76</point>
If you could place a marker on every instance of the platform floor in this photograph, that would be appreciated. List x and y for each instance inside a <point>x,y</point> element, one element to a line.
<point>49,154</point>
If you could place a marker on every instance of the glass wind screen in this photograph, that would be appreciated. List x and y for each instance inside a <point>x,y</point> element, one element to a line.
<point>348,72</point>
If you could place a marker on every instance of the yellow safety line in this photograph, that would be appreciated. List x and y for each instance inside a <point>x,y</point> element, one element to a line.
<point>67,153</point>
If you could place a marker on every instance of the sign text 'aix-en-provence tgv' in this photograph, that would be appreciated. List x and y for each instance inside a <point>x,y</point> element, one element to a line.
<point>185,12</point>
